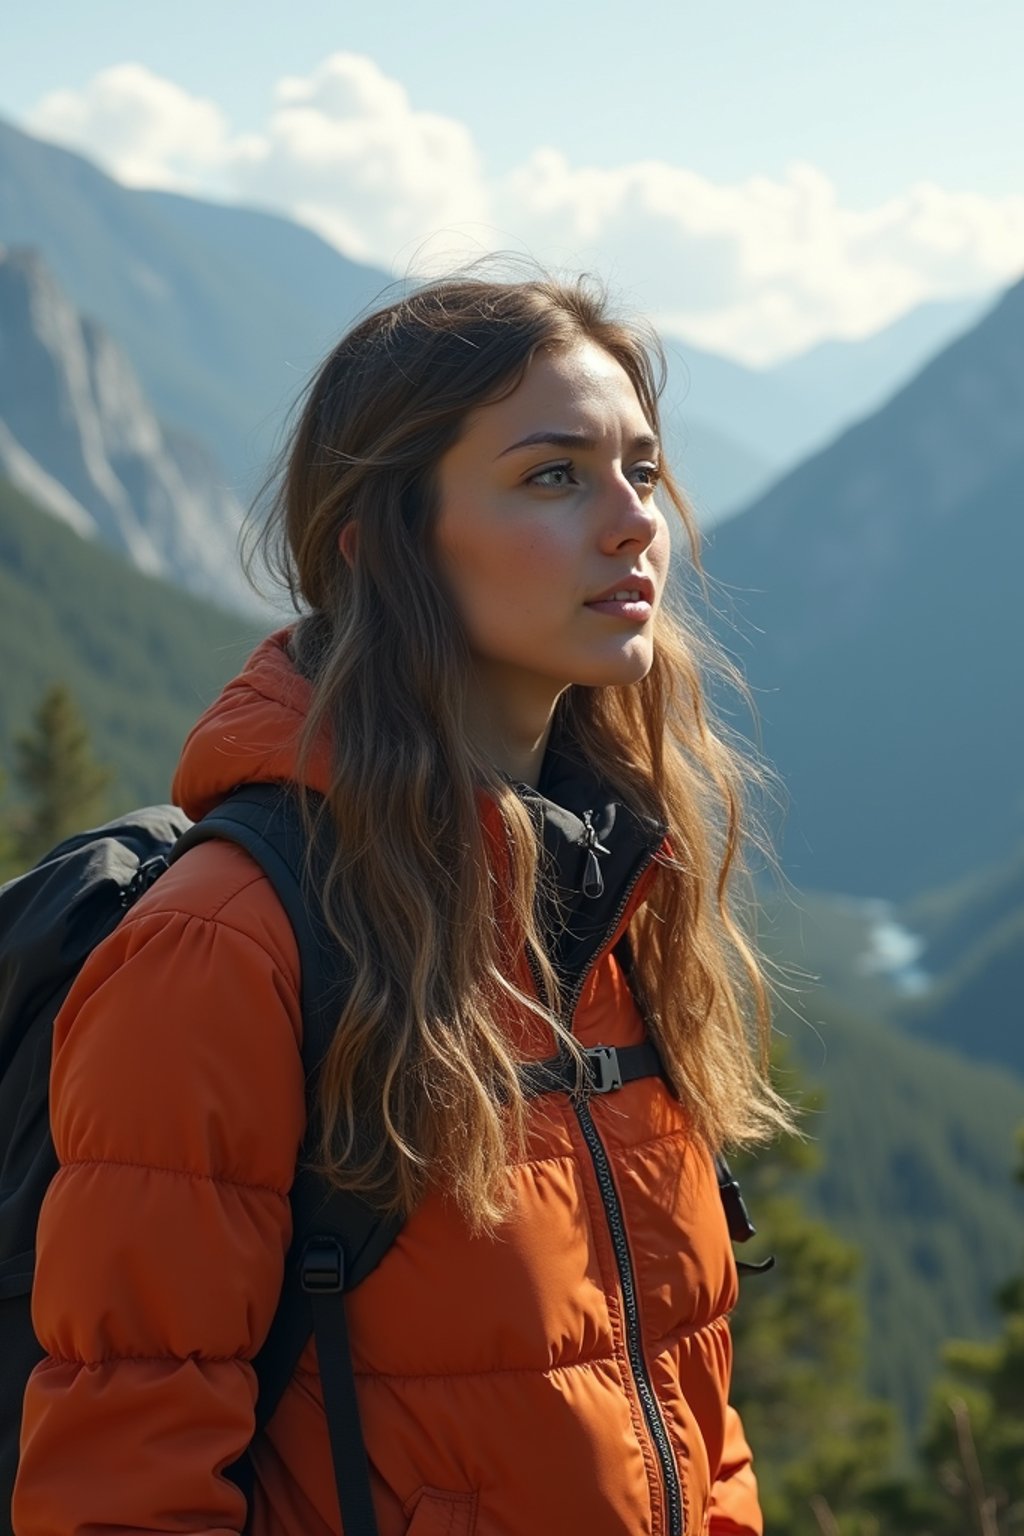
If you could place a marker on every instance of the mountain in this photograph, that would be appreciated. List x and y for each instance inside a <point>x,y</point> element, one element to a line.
<point>873,599</point>
<point>747,426</point>
<point>856,949</point>
<point>221,311</point>
<point>142,658</point>
<point>973,951</point>
<point>841,381</point>
<point>224,311</point>
<point>77,433</point>
<point>730,431</point>
<point>920,1100</point>
<point>718,472</point>
<point>946,967</point>
<point>954,920</point>
<point>978,1006</point>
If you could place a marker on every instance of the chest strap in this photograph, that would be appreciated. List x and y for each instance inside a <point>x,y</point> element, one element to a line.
<point>606,1068</point>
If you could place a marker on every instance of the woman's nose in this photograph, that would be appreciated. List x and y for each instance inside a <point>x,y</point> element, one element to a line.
<point>630,518</point>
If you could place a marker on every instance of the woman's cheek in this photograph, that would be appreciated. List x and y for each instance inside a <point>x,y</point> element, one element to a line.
<point>510,592</point>
<point>541,550</point>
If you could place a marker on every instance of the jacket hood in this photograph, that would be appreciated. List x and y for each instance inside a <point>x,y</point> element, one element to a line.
<point>250,733</point>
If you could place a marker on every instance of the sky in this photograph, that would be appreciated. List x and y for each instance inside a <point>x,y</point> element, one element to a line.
<point>757,177</point>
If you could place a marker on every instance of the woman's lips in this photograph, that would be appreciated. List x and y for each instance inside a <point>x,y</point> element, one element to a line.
<point>643,586</point>
<point>634,610</point>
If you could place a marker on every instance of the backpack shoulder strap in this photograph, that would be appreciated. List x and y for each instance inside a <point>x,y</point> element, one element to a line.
<point>266,820</point>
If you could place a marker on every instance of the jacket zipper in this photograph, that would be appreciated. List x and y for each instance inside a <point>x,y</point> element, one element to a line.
<point>620,1244</point>
<point>644,1386</point>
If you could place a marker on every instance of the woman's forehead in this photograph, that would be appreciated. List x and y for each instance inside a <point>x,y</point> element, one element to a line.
<point>580,390</point>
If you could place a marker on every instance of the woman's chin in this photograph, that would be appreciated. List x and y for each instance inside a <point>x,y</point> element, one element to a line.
<point>619,671</point>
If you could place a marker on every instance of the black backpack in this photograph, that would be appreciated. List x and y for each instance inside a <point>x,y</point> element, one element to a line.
<point>50,920</point>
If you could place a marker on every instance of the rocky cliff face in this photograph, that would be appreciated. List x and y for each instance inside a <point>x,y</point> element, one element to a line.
<point>79,436</point>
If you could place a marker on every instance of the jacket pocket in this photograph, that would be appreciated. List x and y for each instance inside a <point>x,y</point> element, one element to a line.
<point>436,1513</point>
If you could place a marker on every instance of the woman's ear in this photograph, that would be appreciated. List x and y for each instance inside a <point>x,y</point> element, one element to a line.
<point>348,540</point>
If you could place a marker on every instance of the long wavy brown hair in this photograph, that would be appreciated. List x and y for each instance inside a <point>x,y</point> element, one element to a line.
<point>420,1085</point>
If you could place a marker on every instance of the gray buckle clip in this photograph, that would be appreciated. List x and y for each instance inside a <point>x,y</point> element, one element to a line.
<point>606,1074</point>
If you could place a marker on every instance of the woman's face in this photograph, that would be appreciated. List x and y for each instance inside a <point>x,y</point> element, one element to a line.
<point>547,509</point>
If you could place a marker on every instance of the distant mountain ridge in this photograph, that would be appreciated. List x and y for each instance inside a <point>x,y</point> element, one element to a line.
<point>842,381</point>
<point>224,311</point>
<point>77,433</point>
<point>876,597</point>
<point>769,419</point>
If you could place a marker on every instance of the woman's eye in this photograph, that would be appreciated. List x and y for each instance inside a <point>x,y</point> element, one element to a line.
<point>554,477</point>
<point>558,476</point>
<point>650,475</point>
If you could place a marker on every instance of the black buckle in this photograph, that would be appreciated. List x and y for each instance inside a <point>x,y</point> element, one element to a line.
<point>323,1266</point>
<point>143,878</point>
<point>741,1228</point>
<point>605,1072</point>
<point>747,1268</point>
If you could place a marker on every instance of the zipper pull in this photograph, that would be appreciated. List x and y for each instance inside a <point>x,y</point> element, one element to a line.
<point>593,879</point>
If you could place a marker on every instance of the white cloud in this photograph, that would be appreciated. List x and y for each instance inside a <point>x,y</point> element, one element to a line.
<point>146,130</point>
<point>759,268</point>
<point>766,267</point>
<point>346,147</point>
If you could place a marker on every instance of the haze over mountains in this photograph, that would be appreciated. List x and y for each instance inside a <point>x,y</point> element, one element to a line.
<point>733,430</point>
<point>223,311</point>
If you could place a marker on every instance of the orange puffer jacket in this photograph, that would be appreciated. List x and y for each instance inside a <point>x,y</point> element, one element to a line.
<point>569,1376</point>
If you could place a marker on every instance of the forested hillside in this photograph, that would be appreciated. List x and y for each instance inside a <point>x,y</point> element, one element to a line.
<point>915,1145</point>
<point>142,658</point>
<point>974,952</point>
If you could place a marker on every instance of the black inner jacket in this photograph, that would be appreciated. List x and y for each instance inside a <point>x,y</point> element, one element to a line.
<point>595,849</point>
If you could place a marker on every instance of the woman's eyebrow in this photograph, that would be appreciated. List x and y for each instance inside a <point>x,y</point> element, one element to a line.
<point>646,442</point>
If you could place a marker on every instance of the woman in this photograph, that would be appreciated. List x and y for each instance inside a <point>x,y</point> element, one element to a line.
<point>529,802</point>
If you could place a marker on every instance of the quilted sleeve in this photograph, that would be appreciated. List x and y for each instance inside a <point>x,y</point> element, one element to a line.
<point>177,1105</point>
<point>735,1510</point>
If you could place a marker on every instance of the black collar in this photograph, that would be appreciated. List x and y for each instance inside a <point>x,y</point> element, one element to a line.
<point>596,848</point>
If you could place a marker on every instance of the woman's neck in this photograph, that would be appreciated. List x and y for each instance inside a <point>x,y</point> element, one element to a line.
<point>511,731</point>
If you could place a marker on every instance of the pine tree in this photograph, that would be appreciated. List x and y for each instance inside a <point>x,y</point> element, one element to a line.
<point>65,787</point>
<point>974,1444</point>
<point>823,1449</point>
